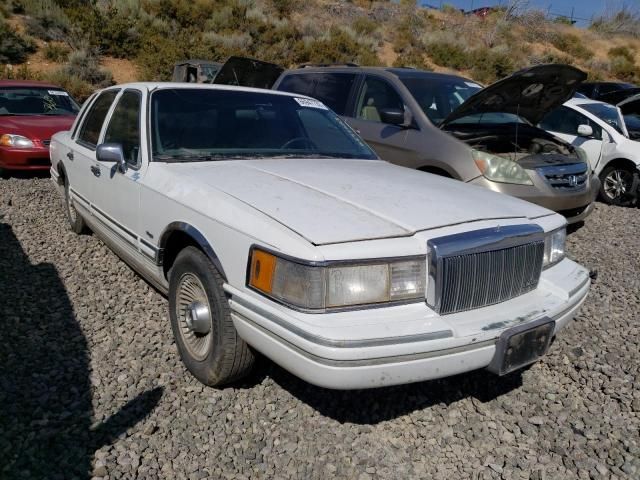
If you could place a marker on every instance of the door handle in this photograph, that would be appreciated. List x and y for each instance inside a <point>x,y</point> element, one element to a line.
<point>70,155</point>
<point>95,170</point>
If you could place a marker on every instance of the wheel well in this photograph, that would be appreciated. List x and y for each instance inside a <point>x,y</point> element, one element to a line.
<point>621,162</point>
<point>436,171</point>
<point>62,174</point>
<point>175,243</point>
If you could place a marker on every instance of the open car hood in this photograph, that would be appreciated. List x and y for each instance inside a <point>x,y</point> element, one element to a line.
<point>248,72</point>
<point>530,93</point>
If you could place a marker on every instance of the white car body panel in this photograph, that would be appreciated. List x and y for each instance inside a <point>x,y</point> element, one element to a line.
<point>601,152</point>
<point>318,210</point>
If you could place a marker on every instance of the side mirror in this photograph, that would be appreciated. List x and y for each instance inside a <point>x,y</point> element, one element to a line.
<point>585,130</point>
<point>392,116</point>
<point>112,153</point>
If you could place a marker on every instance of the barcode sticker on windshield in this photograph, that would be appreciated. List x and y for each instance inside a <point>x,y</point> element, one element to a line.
<point>58,92</point>
<point>309,102</point>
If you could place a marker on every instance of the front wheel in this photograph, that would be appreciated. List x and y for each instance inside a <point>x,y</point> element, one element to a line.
<point>618,185</point>
<point>207,341</point>
<point>76,222</point>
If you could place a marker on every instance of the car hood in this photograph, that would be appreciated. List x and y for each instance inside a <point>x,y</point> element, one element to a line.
<point>334,200</point>
<point>40,127</point>
<point>530,93</point>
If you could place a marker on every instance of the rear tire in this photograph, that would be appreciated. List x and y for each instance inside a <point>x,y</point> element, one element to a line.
<point>207,341</point>
<point>618,185</point>
<point>76,222</point>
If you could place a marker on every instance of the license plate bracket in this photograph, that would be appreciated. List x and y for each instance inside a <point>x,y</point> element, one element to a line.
<point>522,345</point>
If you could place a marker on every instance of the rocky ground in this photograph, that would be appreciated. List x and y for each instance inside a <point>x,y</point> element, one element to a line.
<point>91,384</point>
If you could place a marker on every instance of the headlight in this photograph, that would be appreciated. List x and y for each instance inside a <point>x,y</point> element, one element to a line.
<point>337,285</point>
<point>15,141</point>
<point>500,169</point>
<point>554,244</point>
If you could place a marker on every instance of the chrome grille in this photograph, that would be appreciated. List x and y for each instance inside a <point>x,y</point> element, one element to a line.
<point>566,177</point>
<point>484,267</point>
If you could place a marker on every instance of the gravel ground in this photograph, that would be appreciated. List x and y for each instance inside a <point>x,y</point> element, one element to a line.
<point>91,383</point>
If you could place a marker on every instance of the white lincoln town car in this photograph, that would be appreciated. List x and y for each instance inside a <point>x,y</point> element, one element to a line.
<point>272,227</point>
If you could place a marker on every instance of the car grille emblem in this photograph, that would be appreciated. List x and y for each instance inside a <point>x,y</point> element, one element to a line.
<point>573,181</point>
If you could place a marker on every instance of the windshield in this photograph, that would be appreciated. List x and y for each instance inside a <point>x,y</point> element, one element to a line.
<point>36,101</point>
<point>605,112</point>
<point>438,97</point>
<point>202,124</point>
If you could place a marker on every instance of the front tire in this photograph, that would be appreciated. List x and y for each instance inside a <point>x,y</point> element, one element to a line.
<point>207,341</point>
<point>618,185</point>
<point>76,222</point>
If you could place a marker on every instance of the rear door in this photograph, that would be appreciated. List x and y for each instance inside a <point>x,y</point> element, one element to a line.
<point>563,122</point>
<point>83,168</point>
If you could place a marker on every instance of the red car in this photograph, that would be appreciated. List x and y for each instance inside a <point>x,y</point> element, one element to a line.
<point>30,112</point>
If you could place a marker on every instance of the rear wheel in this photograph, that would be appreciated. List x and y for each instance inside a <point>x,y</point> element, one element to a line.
<point>76,222</point>
<point>618,183</point>
<point>207,341</point>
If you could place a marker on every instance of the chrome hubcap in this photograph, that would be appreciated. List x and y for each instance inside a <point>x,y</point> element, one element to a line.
<point>617,183</point>
<point>194,316</point>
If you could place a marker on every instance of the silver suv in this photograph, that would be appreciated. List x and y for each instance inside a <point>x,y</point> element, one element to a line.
<point>451,126</point>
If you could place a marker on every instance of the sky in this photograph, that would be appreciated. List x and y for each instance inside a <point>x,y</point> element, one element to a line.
<point>583,10</point>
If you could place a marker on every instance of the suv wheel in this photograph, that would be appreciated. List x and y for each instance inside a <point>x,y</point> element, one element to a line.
<point>207,341</point>
<point>617,185</point>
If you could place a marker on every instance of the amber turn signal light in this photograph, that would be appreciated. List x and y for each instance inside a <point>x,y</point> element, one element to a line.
<point>263,265</point>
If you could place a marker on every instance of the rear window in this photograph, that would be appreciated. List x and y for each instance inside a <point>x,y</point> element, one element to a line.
<point>36,101</point>
<point>332,89</point>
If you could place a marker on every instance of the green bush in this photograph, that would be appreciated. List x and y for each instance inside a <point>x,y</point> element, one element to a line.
<point>571,44</point>
<point>284,7</point>
<point>413,59</point>
<point>56,52</point>
<point>490,65</point>
<point>449,55</point>
<point>622,52</point>
<point>79,89</point>
<point>364,25</point>
<point>624,70</point>
<point>338,47</point>
<point>46,19</point>
<point>14,48</point>
<point>85,66</point>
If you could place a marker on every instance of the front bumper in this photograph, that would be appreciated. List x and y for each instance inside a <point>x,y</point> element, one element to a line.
<point>24,159</point>
<point>574,206</point>
<point>402,344</point>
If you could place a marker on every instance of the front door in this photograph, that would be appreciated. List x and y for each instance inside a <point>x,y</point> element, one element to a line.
<point>81,162</point>
<point>563,122</point>
<point>118,192</point>
<point>391,142</point>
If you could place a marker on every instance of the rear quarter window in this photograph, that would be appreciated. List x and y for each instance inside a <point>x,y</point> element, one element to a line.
<point>332,89</point>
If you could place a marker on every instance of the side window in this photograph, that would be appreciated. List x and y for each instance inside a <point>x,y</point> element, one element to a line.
<point>90,130</point>
<point>333,90</point>
<point>124,126</point>
<point>376,94</point>
<point>82,114</point>
<point>567,120</point>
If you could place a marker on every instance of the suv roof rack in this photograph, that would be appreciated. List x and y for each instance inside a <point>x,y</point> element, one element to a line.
<point>347,64</point>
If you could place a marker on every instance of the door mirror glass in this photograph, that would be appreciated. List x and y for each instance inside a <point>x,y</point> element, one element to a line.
<point>585,130</point>
<point>393,116</point>
<point>111,153</point>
